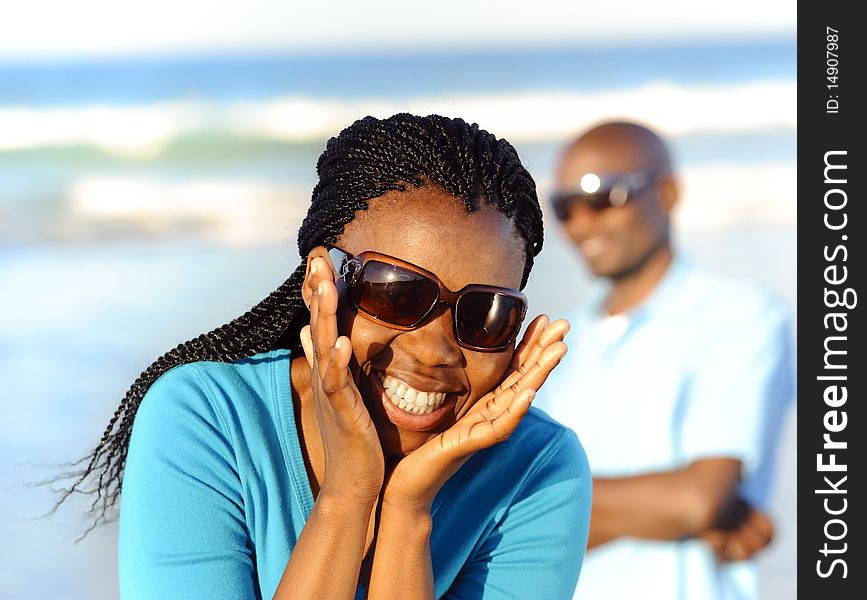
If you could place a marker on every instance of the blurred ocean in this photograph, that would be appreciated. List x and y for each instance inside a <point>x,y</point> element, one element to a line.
<point>144,201</point>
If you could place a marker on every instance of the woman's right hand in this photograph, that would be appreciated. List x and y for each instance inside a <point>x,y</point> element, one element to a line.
<point>354,465</point>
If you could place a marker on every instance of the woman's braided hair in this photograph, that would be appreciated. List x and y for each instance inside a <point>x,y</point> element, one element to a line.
<point>367,159</point>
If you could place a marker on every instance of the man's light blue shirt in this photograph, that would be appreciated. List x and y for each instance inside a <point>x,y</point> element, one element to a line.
<point>704,367</point>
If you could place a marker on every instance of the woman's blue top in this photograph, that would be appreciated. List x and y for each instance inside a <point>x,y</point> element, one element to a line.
<point>215,495</point>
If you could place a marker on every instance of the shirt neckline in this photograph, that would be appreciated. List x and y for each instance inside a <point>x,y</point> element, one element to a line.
<point>660,295</point>
<point>281,383</point>
<point>290,443</point>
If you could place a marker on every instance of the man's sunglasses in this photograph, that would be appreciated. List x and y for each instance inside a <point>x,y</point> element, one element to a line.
<point>600,192</point>
<point>401,295</point>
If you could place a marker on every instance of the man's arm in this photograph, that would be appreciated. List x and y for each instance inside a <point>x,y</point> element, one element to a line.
<point>741,386</point>
<point>667,505</point>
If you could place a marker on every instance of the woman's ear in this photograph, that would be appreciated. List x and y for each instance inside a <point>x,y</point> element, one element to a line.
<point>307,289</point>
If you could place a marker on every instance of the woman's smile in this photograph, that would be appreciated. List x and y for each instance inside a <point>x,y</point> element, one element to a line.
<point>409,407</point>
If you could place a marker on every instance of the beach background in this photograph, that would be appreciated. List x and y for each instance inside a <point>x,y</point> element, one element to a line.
<point>152,179</point>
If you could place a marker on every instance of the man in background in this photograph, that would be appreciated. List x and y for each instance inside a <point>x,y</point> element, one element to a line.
<point>676,381</point>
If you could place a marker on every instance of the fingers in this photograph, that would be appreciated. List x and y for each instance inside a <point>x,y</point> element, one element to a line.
<point>486,433</point>
<point>530,340</point>
<point>556,331</point>
<point>717,540</point>
<point>528,377</point>
<point>323,312</point>
<point>751,537</point>
<point>307,332</point>
<point>335,373</point>
<point>307,345</point>
<point>533,374</point>
<point>318,338</point>
<point>539,335</point>
<point>762,524</point>
<point>327,353</point>
<point>753,534</point>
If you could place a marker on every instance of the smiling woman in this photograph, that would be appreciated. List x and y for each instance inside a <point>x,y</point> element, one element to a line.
<point>365,430</point>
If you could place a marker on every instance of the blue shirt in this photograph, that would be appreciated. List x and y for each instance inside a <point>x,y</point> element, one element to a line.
<point>704,367</point>
<point>216,494</point>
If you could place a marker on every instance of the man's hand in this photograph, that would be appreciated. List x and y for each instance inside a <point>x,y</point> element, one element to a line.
<point>742,531</point>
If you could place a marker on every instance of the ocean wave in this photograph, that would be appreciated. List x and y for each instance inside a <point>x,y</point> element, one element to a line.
<point>729,195</point>
<point>230,211</point>
<point>249,211</point>
<point>145,131</point>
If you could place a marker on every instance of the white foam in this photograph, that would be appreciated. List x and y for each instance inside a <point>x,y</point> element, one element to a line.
<point>247,212</point>
<point>136,131</point>
<point>143,131</point>
<point>671,109</point>
<point>720,196</point>
<point>240,212</point>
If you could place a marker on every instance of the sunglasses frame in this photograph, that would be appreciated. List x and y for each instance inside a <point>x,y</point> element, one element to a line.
<point>342,261</point>
<point>625,185</point>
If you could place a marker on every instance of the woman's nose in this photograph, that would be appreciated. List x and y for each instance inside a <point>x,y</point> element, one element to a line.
<point>434,344</point>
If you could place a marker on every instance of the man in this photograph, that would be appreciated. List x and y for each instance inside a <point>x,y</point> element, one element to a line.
<point>676,382</point>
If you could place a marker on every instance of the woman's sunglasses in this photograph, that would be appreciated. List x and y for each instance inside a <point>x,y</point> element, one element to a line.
<point>401,295</point>
<point>601,192</point>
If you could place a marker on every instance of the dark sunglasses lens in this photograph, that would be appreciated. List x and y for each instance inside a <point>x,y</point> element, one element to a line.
<point>599,200</point>
<point>487,319</point>
<point>564,206</point>
<point>394,294</point>
<point>561,206</point>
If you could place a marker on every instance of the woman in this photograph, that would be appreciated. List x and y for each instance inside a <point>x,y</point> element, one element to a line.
<point>365,430</point>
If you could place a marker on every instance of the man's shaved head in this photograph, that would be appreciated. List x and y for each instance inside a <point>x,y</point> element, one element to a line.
<point>618,241</point>
<point>615,147</point>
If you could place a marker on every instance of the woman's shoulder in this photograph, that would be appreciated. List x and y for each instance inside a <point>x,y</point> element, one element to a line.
<point>255,369</point>
<point>539,439</point>
<point>218,393</point>
<point>539,451</point>
<point>537,480</point>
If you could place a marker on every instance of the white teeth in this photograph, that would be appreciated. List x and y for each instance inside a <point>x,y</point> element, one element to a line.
<point>410,399</point>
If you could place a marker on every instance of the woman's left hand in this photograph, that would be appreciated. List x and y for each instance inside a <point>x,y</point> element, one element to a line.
<point>418,477</point>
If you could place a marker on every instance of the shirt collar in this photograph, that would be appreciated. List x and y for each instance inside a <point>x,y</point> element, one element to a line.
<point>665,292</point>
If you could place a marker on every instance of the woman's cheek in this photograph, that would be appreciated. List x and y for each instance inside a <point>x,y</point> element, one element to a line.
<point>368,339</point>
<point>486,370</point>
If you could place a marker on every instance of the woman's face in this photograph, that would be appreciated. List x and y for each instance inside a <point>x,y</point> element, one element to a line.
<point>430,228</point>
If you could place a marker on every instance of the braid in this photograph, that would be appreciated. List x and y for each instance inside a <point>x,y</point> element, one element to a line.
<point>255,331</point>
<point>367,159</point>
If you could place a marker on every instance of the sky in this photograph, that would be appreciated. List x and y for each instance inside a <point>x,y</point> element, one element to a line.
<point>99,28</point>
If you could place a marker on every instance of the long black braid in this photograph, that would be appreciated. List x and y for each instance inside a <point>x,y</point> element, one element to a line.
<point>367,159</point>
